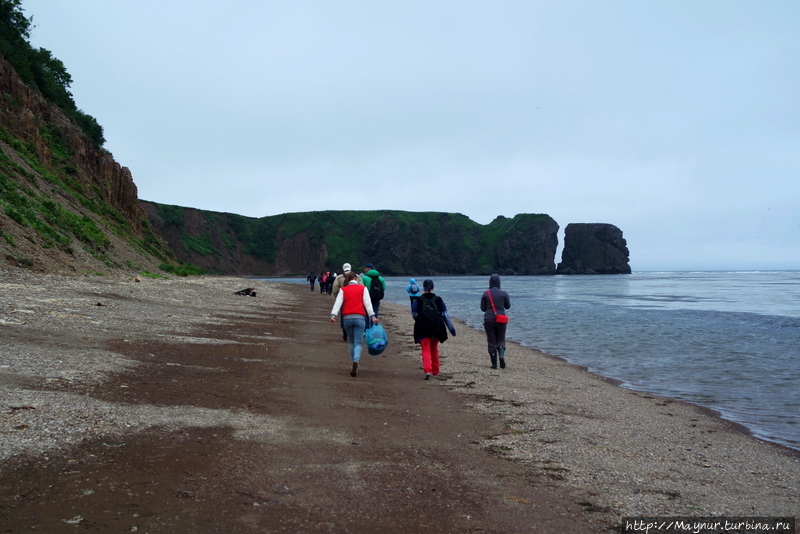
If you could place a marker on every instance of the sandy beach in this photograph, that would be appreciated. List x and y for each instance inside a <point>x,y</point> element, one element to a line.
<point>173,405</point>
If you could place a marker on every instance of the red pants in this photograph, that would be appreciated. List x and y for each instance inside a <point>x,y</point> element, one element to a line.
<point>430,355</point>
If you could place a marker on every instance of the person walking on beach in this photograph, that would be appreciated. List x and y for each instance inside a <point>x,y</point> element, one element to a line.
<point>375,284</point>
<point>494,303</point>
<point>356,308</point>
<point>321,283</point>
<point>338,284</point>
<point>311,278</point>
<point>329,282</point>
<point>413,289</point>
<point>431,323</point>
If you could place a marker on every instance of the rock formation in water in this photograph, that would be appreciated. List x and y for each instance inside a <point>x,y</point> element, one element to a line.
<point>594,248</point>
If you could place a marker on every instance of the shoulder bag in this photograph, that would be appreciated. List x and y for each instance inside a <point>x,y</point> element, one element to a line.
<point>501,319</point>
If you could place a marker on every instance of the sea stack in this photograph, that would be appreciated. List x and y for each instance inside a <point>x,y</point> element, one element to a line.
<point>594,248</point>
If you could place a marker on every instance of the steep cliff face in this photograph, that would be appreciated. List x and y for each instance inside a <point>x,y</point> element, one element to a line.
<point>594,248</point>
<point>26,115</point>
<point>524,245</point>
<point>433,245</point>
<point>397,242</point>
<point>64,204</point>
<point>226,243</point>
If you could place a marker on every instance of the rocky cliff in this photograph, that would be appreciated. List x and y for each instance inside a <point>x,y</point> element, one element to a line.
<point>64,204</point>
<point>397,242</point>
<point>594,248</point>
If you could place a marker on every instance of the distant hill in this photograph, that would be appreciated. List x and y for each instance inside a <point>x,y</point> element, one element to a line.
<point>397,242</point>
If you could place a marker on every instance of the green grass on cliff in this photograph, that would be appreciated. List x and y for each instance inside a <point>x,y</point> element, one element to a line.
<point>28,198</point>
<point>395,240</point>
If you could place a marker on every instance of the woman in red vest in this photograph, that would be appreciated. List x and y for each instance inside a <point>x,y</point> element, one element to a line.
<point>356,307</point>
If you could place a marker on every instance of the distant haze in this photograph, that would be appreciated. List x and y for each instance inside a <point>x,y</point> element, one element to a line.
<point>676,121</point>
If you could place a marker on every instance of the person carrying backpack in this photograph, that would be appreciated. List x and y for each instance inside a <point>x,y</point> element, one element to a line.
<point>375,284</point>
<point>311,278</point>
<point>413,290</point>
<point>431,323</point>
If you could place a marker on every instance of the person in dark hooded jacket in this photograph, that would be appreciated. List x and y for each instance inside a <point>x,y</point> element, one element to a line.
<point>495,331</point>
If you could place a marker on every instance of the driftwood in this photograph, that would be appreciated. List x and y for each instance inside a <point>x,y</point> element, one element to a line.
<point>248,292</point>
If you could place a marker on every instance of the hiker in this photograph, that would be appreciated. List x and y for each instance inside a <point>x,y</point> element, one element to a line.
<point>329,282</point>
<point>431,324</point>
<point>338,284</point>
<point>311,278</point>
<point>494,303</point>
<point>375,284</point>
<point>413,290</point>
<point>353,301</point>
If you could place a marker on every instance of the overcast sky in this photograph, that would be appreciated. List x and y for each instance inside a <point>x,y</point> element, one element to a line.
<point>677,121</point>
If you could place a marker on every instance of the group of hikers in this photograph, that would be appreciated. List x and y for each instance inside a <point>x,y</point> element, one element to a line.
<point>357,304</point>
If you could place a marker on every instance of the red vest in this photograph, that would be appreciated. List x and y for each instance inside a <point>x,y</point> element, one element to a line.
<point>353,300</point>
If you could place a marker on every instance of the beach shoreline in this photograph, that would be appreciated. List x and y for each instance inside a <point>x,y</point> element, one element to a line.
<point>615,452</point>
<point>686,452</point>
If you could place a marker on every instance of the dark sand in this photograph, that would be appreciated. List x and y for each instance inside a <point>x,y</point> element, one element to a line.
<point>312,449</point>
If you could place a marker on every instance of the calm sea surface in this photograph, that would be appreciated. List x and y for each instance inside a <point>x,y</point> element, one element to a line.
<point>729,341</point>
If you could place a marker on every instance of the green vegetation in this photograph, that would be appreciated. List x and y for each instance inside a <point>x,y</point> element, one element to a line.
<point>148,274</point>
<point>184,269</point>
<point>397,241</point>
<point>199,244</point>
<point>39,69</point>
<point>56,225</point>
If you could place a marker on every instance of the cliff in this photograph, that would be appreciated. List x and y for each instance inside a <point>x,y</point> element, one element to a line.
<point>65,205</point>
<point>397,242</point>
<point>594,248</point>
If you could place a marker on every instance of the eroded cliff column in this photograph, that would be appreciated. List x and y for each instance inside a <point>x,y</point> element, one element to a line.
<point>594,248</point>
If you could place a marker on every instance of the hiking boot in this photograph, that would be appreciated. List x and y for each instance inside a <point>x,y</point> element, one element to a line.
<point>427,376</point>
<point>354,369</point>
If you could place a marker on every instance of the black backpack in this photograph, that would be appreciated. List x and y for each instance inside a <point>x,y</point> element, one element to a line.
<point>375,289</point>
<point>429,317</point>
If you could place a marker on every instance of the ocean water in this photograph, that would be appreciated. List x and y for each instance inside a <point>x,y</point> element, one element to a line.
<point>729,341</point>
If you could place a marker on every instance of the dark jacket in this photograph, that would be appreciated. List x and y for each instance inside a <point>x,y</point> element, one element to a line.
<point>500,297</point>
<point>444,325</point>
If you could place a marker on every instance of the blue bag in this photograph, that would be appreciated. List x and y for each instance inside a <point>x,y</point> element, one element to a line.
<point>377,339</point>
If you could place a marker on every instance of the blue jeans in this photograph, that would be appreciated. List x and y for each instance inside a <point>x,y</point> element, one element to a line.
<point>355,326</point>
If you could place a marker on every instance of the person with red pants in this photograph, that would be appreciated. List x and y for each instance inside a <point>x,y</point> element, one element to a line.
<point>431,324</point>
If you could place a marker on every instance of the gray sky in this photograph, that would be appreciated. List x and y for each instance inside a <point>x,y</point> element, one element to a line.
<point>675,120</point>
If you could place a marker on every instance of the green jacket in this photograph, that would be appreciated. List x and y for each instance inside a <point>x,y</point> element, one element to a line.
<point>371,275</point>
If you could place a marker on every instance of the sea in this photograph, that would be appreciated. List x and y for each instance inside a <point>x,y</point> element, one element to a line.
<point>728,341</point>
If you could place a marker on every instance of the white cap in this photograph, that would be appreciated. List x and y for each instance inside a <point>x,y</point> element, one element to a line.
<point>346,267</point>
